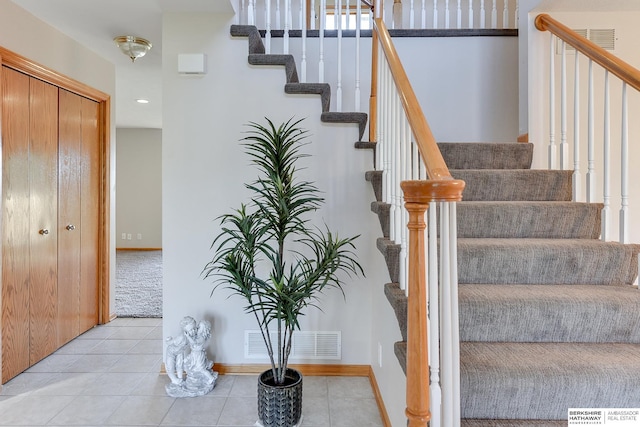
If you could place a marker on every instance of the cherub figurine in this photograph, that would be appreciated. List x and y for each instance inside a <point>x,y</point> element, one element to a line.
<point>200,379</point>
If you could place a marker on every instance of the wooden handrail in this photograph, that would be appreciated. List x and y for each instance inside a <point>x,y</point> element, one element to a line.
<point>435,165</point>
<point>615,65</point>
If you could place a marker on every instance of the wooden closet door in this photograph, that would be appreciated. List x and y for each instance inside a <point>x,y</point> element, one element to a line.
<point>70,137</point>
<point>43,214</point>
<point>89,213</point>
<point>15,222</point>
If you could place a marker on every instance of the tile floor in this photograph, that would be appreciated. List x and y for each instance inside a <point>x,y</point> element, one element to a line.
<point>109,376</point>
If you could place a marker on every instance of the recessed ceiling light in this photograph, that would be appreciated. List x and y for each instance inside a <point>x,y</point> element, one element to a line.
<point>142,101</point>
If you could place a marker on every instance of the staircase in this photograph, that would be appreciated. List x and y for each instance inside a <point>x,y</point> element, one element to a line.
<point>549,319</point>
<point>257,56</point>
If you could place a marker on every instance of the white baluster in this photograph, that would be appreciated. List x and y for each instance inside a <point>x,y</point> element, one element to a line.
<point>393,143</point>
<point>446,316</point>
<point>379,126</point>
<point>435,391</point>
<point>251,10</point>
<point>516,19</point>
<point>494,15</point>
<point>347,14</point>
<point>483,15</point>
<point>459,15</point>
<point>313,15</point>
<point>415,167</point>
<point>435,14</point>
<point>412,16</point>
<point>552,105</point>
<point>267,21</point>
<point>404,142</point>
<point>591,162</point>
<point>287,25</point>
<point>240,14</point>
<point>396,14</point>
<point>339,84</point>
<point>576,179</point>
<point>470,12</point>
<point>399,125</point>
<point>423,15</point>
<point>388,92</point>
<point>278,15</point>
<point>323,25</point>
<point>455,323</point>
<point>357,92</point>
<point>505,14</point>
<point>446,14</point>
<point>624,168</point>
<point>564,146</point>
<point>303,38</point>
<point>606,153</point>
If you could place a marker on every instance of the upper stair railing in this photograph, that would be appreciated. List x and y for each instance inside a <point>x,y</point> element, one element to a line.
<point>609,130</point>
<point>315,23</point>
<point>412,165</point>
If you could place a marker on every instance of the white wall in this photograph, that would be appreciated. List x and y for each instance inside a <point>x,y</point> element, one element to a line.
<point>139,188</point>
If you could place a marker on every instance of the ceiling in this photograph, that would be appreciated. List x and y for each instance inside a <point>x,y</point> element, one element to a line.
<point>94,24</point>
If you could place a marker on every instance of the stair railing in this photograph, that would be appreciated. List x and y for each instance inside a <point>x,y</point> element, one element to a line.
<point>441,14</point>
<point>412,165</point>
<point>561,38</point>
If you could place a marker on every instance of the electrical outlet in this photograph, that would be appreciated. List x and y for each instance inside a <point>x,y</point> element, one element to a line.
<point>380,355</point>
<point>139,236</point>
<point>128,236</point>
<point>124,236</point>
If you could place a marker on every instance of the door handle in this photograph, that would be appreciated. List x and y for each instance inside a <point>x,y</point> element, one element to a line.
<point>71,227</point>
<point>44,231</point>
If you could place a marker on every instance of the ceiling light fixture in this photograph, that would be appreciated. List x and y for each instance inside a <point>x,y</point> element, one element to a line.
<point>133,47</point>
<point>142,101</point>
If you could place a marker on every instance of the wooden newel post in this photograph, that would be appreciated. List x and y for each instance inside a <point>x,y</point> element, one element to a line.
<point>417,410</point>
<point>417,195</point>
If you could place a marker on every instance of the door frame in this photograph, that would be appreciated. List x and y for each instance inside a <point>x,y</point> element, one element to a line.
<point>24,65</point>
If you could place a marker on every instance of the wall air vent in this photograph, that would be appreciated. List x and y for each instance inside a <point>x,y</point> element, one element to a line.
<point>605,38</point>
<point>306,345</point>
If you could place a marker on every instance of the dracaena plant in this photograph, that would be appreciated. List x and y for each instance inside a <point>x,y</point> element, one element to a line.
<point>266,251</point>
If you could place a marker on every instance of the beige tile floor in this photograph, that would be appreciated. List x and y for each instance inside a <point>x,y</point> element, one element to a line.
<point>109,376</point>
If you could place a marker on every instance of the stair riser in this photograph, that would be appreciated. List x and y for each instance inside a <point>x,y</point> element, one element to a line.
<point>549,313</point>
<point>542,381</point>
<point>515,185</point>
<point>540,261</point>
<point>486,156</point>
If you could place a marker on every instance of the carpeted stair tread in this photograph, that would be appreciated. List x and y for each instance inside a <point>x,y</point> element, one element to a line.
<point>346,117</point>
<point>375,178</point>
<point>546,261</point>
<point>400,350</point>
<point>482,155</point>
<point>540,220</point>
<point>391,253</point>
<point>543,380</point>
<point>322,89</point>
<point>502,219</point>
<point>515,184</point>
<point>382,210</point>
<point>252,33</point>
<point>398,300</point>
<point>549,313</point>
<point>288,61</point>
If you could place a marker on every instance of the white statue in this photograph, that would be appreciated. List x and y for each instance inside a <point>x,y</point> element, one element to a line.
<point>200,379</point>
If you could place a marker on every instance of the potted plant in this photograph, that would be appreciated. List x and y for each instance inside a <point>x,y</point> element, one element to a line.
<point>267,253</point>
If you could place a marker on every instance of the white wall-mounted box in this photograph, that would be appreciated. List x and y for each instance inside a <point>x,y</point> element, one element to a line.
<point>192,63</point>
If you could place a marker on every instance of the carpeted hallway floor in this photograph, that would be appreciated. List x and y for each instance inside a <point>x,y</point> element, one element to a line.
<point>138,283</point>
